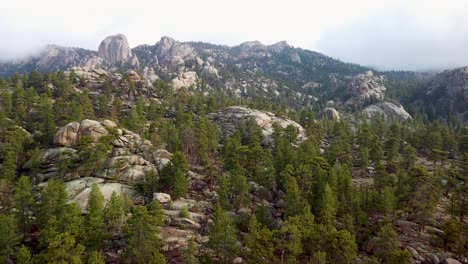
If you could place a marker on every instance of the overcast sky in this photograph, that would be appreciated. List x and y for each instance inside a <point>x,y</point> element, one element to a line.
<point>388,34</point>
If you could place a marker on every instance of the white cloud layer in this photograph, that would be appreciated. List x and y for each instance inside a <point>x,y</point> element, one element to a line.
<point>390,34</point>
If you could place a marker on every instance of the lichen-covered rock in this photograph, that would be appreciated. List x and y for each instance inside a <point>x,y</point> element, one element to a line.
<point>329,114</point>
<point>161,197</point>
<point>70,134</point>
<point>128,163</point>
<point>364,87</point>
<point>232,118</point>
<point>79,190</point>
<point>389,110</point>
<point>185,79</point>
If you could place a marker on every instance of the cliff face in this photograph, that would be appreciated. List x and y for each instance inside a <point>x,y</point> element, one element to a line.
<point>116,50</point>
<point>448,93</point>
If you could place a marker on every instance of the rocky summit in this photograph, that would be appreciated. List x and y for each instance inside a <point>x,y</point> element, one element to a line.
<point>116,50</point>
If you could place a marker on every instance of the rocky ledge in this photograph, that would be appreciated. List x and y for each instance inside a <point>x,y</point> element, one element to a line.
<point>232,118</point>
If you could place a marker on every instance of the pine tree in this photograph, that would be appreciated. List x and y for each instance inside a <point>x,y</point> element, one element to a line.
<point>46,119</point>
<point>114,213</point>
<point>24,256</point>
<point>18,101</point>
<point>363,157</point>
<point>174,175</point>
<point>24,202</point>
<point>180,186</point>
<point>53,201</point>
<point>341,247</point>
<point>328,207</point>
<point>239,187</point>
<point>94,231</point>
<point>95,258</point>
<point>388,201</point>
<point>409,157</point>
<point>62,248</point>
<point>190,253</point>
<point>223,191</point>
<point>259,243</point>
<point>293,198</point>
<point>288,242</point>
<point>12,149</point>
<point>8,236</point>
<point>388,247</point>
<point>222,234</point>
<point>143,240</point>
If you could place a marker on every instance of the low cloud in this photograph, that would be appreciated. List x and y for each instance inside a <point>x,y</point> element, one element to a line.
<point>401,40</point>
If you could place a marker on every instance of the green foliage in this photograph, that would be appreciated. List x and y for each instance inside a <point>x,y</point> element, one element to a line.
<point>23,256</point>
<point>184,213</point>
<point>454,236</point>
<point>61,249</point>
<point>95,258</point>
<point>143,241</point>
<point>328,207</point>
<point>190,254</point>
<point>8,236</point>
<point>174,175</point>
<point>94,226</point>
<point>223,191</point>
<point>53,201</point>
<point>288,242</point>
<point>24,202</point>
<point>259,243</point>
<point>388,247</point>
<point>293,198</point>
<point>222,234</point>
<point>114,212</point>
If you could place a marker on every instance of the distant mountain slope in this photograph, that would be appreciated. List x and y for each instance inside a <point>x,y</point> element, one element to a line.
<point>277,73</point>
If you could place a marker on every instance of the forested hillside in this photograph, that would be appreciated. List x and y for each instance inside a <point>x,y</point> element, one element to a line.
<point>109,167</point>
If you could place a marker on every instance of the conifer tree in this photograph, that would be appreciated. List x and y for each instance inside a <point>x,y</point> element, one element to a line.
<point>94,225</point>
<point>114,212</point>
<point>143,240</point>
<point>24,202</point>
<point>222,234</point>
<point>53,201</point>
<point>95,258</point>
<point>8,236</point>
<point>328,207</point>
<point>259,243</point>
<point>293,198</point>
<point>24,256</point>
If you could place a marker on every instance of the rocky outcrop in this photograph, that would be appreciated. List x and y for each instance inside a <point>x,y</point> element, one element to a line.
<point>116,50</point>
<point>365,87</point>
<point>171,53</point>
<point>128,162</point>
<point>232,118</point>
<point>55,57</point>
<point>329,114</point>
<point>450,90</point>
<point>388,109</point>
<point>185,79</point>
<point>70,134</point>
<point>78,190</point>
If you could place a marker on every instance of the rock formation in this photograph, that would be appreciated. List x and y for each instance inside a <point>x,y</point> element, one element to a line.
<point>450,89</point>
<point>329,114</point>
<point>116,50</point>
<point>388,109</point>
<point>129,161</point>
<point>365,87</point>
<point>232,118</point>
<point>55,57</point>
